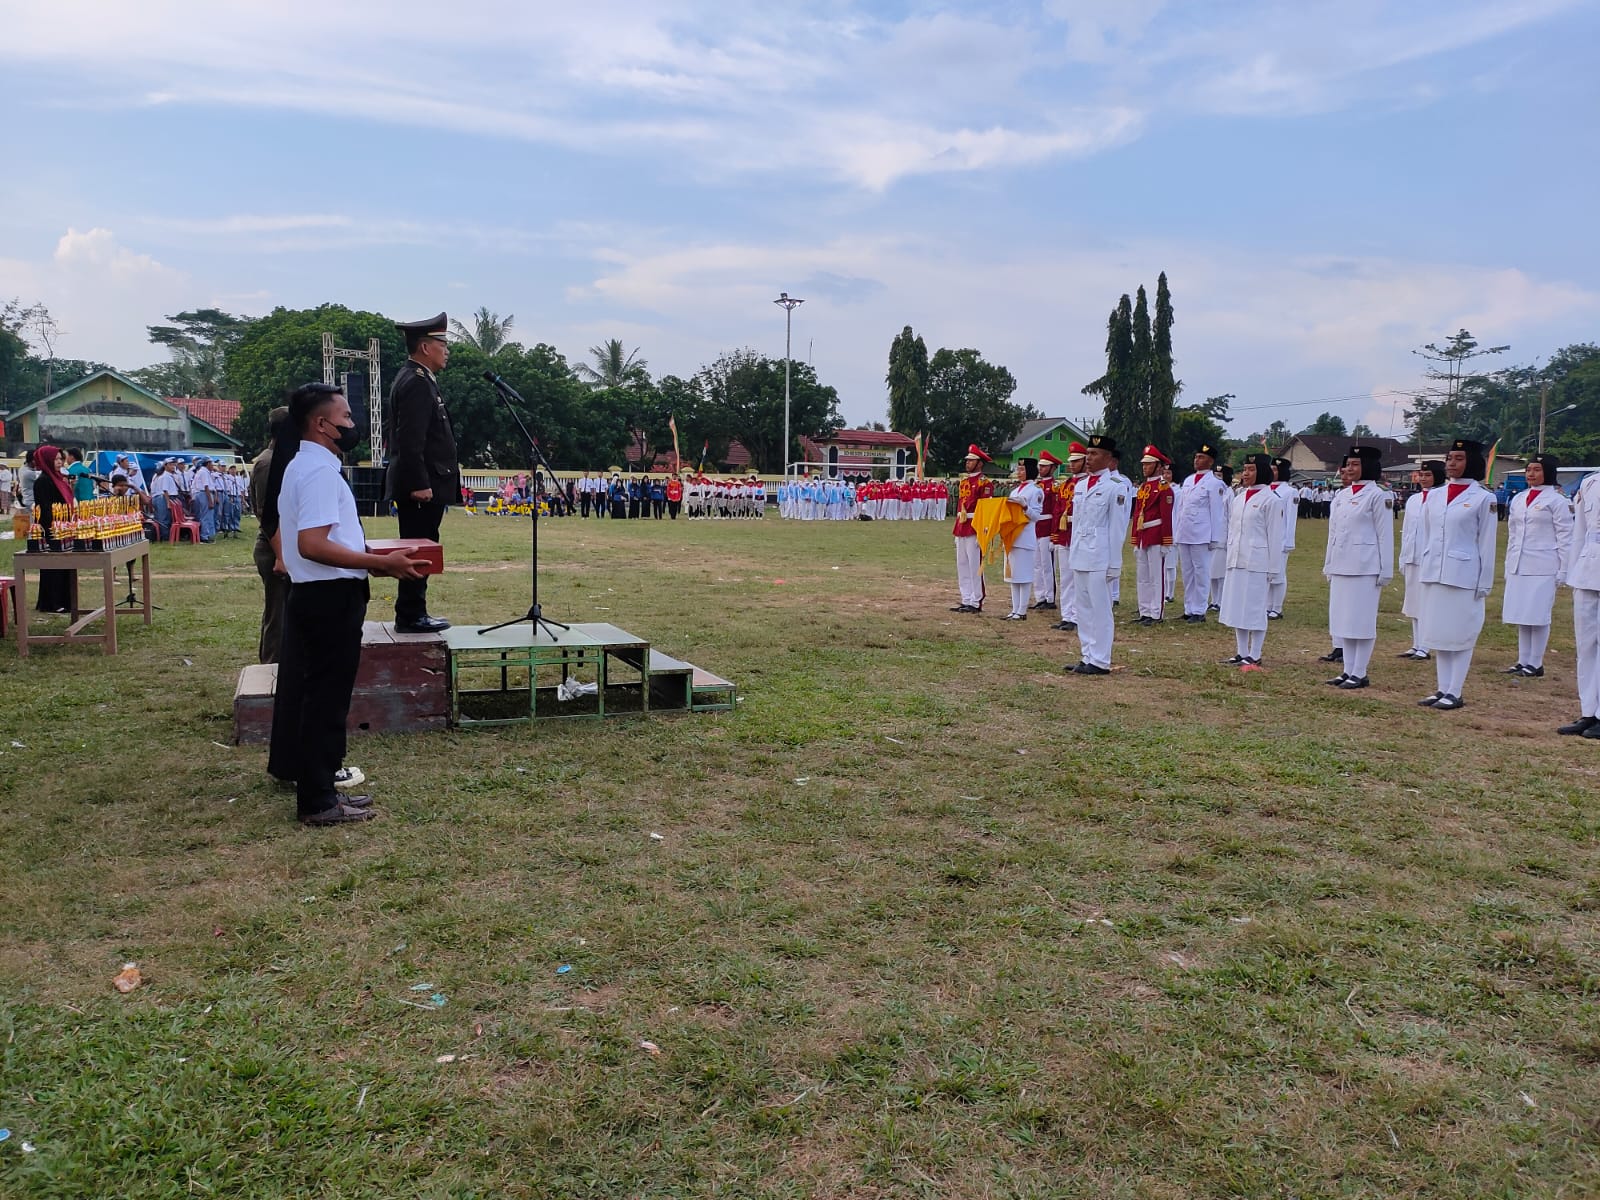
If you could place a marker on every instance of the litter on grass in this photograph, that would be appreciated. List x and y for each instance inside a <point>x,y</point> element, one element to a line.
<point>128,979</point>
<point>803,780</point>
<point>445,1058</point>
<point>4,1134</point>
<point>28,1147</point>
<point>656,837</point>
<point>422,987</point>
<point>438,1000</point>
<point>650,1048</point>
<point>563,968</point>
<point>571,689</point>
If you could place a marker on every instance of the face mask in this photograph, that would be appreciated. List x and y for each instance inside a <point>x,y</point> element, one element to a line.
<point>349,438</point>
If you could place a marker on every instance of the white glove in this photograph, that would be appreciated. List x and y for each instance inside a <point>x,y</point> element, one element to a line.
<point>1215,546</point>
<point>1480,594</point>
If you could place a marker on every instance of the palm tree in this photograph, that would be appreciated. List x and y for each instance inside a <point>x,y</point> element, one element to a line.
<point>488,333</point>
<point>614,368</point>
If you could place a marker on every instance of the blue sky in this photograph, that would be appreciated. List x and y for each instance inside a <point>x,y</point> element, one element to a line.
<point>1327,185</point>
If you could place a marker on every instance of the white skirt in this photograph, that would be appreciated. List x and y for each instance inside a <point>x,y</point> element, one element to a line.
<point>1412,605</point>
<point>1451,617</point>
<point>1244,598</point>
<point>1353,607</point>
<point>1529,599</point>
<point>1019,565</point>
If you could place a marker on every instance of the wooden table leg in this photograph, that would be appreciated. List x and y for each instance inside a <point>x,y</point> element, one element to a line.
<point>22,610</point>
<point>109,578</point>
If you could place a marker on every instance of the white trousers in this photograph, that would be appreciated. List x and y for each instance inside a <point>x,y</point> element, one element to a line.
<point>969,571</point>
<point>1586,625</point>
<point>1150,563</point>
<point>1196,562</point>
<point>1019,598</point>
<point>1531,643</point>
<point>1250,642</point>
<point>1095,627</point>
<point>1044,571</point>
<point>1450,669</point>
<point>1170,571</point>
<point>1279,588</point>
<point>1066,586</point>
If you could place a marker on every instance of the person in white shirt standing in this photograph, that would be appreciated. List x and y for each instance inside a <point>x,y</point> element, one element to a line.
<point>1359,563</point>
<point>1254,561</point>
<point>1583,577</point>
<point>1020,559</point>
<point>1457,569</point>
<point>1101,509</point>
<point>1427,475</point>
<point>1284,490</point>
<point>1538,548</point>
<point>323,548</point>
<point>1199,530</point>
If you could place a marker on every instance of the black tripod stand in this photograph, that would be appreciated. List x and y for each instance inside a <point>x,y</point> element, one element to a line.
<point>534,614</point>
<point>131,600</point>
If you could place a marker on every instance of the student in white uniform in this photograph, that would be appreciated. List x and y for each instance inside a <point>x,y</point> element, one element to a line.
<point>1583,577</point>
<point>1020,558</point>
<point>1457,569</point>
<point>1200,529</point>
<point>1538,548</point>
<point>1427,475</point>
<point>1170,570</point>
<point>1359,563</point>
<point>1101,510</point>
<point>1285,491</point>
<point>1254,561</point>
<point>1044,551</point>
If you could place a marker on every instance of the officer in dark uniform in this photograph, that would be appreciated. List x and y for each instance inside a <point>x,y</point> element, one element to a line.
<point>423,473</point>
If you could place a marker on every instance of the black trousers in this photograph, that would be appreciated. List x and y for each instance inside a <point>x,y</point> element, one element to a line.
<point>320,655</point>
<point>275,590</point>
<point>672,508</point>
<point>418,519</point>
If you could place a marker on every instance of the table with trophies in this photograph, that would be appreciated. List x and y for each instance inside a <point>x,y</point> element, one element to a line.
<point>100,535</point>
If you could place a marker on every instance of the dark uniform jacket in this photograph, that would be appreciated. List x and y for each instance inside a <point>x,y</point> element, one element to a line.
<point>421,446</point>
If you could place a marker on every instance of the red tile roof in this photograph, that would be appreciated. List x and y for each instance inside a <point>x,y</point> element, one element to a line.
<point>219,414</point>
<point>873,438</point>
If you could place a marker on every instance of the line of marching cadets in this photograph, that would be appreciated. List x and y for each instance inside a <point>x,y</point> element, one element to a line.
<point>1064,539</point>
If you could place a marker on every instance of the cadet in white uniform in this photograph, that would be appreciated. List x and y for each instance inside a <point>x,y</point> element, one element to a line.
<point>1285,491</point>
<point>1538,548</point>
<point>1044,550</point>
<point>1457,569</point>
<point>1254,560</point>
<point>1101,510</point>
<point>1170,571</point>
<point>1020,558</point>
<point>1199,529</point>
<point>1583,577</point>
<point>1359,564</point>
<point>1428,475</point>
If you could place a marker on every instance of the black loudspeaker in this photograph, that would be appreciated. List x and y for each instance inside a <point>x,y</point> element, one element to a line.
<point>355,391</point>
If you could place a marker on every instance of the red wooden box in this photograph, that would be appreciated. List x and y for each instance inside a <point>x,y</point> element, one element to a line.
<point>432,553</point>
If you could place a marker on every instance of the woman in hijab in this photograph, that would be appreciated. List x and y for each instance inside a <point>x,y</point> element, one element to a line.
<point>1253,561</point>
<point>1538,547</point>
<point>50,489</point>
<point>1456,570</point>
<point>1028,496</point>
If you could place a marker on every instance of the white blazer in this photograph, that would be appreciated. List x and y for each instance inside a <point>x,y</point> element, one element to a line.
<point>1410,526</point>
<point>1101,510</point>
<point>1291,510</point>
<point>1583,566</point>
<point>1539,534</point>
<point>1457,538</point>
<point>1361,533</point>
<point>1255,532</point>
<point>1200,512</point>
<point>1029,495</point>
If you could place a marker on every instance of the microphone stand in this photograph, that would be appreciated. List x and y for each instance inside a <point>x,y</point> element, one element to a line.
<point>535,614</point>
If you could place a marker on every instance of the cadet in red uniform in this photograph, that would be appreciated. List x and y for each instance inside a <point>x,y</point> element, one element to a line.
<point>1152,534</point>
<point>969,560</point>
<point>1044,554</point>
<point>674,496</point>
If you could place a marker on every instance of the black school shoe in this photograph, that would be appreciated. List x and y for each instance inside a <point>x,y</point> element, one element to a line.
<point>1448,703</point>
<point>1353,682</point>
<point>1337,680</point>
<point>1334,655</point>
<point>343,812</point>
<point>1579,727</point>
<point>1085,668</point>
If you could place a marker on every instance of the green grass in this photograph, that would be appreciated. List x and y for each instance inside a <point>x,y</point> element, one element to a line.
<point>1211,935</point>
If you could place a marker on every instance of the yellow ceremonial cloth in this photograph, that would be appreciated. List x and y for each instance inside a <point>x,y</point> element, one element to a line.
<point>996,519</point>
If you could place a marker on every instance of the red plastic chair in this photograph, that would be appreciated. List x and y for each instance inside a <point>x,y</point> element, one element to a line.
<point>182,522</point>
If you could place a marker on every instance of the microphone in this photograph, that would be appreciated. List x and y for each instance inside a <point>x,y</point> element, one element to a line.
<point>494,379</point>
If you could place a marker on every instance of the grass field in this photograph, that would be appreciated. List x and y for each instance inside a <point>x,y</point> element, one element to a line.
<point>926,918</point>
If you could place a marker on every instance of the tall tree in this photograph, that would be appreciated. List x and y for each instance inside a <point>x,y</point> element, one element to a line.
<point>1142,369</point>
<point>969,400</point>
<point>908,383</point>
<point>743,394</point>
<point>614,367</point>
<point>489,333</point>
<point>1436,410</point>
<point>1117,387</point>
<point>198,342</point>
<point>1164,386</point>
<point>1326,425</point>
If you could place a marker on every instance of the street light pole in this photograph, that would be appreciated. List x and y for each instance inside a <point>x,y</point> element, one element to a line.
<point>788,303</point>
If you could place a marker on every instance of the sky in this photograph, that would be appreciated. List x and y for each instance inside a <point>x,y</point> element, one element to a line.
<point>1328,185</point>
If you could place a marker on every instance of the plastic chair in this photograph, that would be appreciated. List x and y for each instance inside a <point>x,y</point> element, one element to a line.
<point>182,522</point>
<point>8,587</point>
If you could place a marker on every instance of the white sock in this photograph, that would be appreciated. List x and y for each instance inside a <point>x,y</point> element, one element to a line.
<point>1416,634</point>
<point>1451,670</point>
<point>1357,654</point>
<point>1019,597</point>
<point>1241,642</point>
<point>1258,642</point>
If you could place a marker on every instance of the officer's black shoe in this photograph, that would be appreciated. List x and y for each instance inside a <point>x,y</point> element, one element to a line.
<point>1430,701</point>
<point>422,625</point>
<point>1514,669</point>
<point>1044,605</point>
<point>1086,668</point>
<point>1069,626</point>
<point>1580,727</point>
<point>1532,672</point>
<point>961,608</point>
<point>1334,655</point>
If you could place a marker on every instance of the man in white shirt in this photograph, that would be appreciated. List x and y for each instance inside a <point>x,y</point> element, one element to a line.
<point>1199,530</point>
<point>1101,509</point>
<point>319,537</point>
<point>1583,577</point>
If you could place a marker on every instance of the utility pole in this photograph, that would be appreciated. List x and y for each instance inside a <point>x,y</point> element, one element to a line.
<point>788,303</point>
